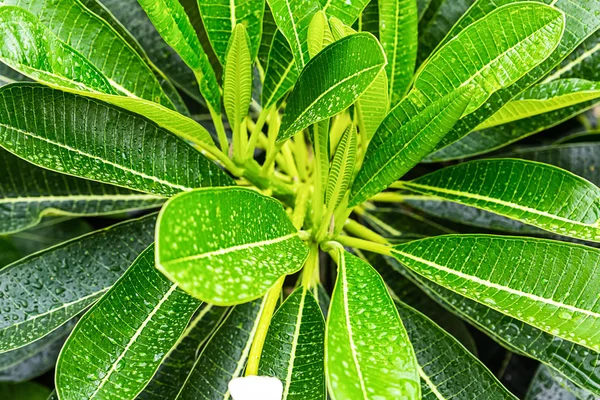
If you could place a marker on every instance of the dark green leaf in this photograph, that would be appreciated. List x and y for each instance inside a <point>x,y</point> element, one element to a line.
<point>23,391</point>
<point>402,225</point>
<point>49,232</point>
<point>581,63</point>
<point>42,292</point>
<point>9,75</point>
<point>534,193</point>
<point>323,91</point>
<point>281,73</point>
<point>513,276</point>
<point>548,385</point>
<point>108,144</point>
<point>345,11</point>
<point>228,349</point>
<point>8,252</point>
<point>227,246</point>
<point>118,345</point>
<point>269,29</point>
<point>294,348</point>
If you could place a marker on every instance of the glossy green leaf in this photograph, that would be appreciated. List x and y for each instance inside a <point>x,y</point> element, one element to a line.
<point>237,78</point>
<point>558,297</point>
<point>579,137</point>
<point>49,232</point>
<point>581,22</point>
<point>107,145</point>
<point>32,49</point>
<point>45,290</point>
<point>8,252</point>
<point>294,348</point>
<point>269,28</point>
<point>577,362</point>
<point>368,21</point>
<point>113,351</point>
<point>401,141</point>
<point>35,359</point>
<point>543,98</point>
<point>323,91</point>
<point>119,62</point>
<point>178,363</point>
<point>581,62</point>
<point>226,246</point>
<point>228,349</point>
<point>281,73</point>
<point>547,384</point>
<point>534,193</point>
<point>293,18</point>
<point>346,11</point>
<point>342,168</point>
<point>221,16</point>
<point>446,368</point>
<point>367,350</point>
<point>523,34</point>
<point>28,193</point>
<point>173,24</point>
<point>373,106</point>
<point>319,34</point>
<point>398,22</point>
<point>24,391</point>
<point>9,75</point>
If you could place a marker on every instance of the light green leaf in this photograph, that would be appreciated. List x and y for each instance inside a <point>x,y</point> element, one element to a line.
<point>221,16</point>
<point>24,391</point>
<point>281,73</point>
<point>558,297</point>
<point>28,193</point>
<point>173,24</point>
<point>45,127</point>
<point>373,106</point>
<point>342,168</point>
<point>237,78</point>
<point>322,92</point>
<point>398,22</point>
<point>228,349</point>
<point>534,193</point>
<point>446,368</point>
<point>402,140</point>
<point>178,363</point>
<point>367,350</point>
<point>45,290</point>
<point>543,98</point>
<point>32,49</point>
<point>119,62</point>
<point>294,348</point>
<point>118,345</point>
<point>524,34</point>
<point>293,18</point>
<point>319,34</point>
<point>346,11</point>
<point>226,246</point>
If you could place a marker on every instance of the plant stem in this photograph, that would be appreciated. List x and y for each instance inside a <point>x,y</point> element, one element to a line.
<point>364,245</point>
<point>218,122</point>
<point>263,327</point>
<point>311,267</point>
<point>356,229</point>
<point>392,197</point>
<point>256,130</point>
<point>300,207</point>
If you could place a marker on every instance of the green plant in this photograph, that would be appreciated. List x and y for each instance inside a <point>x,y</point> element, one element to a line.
<point>329,109</point>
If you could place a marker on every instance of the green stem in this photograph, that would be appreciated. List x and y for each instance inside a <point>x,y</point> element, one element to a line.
<point>218,122</point>
<point>311,267</point>
<point>392,197</point>
<point>363,232</point>
<point>262,118</point>
<point>263,327</point>
<point>300,207</point>
<point>364,245</point>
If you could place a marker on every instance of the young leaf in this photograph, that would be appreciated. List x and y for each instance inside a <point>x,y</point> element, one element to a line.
<point>447,369</point>
<point>119,62</point>
<point>543,98</point>
<point>507,43</point>
<point>171,21</point>
<point>220,17</point>
<point>372,106</point>
<point>367,350</point>
<point>282,72</point>
<point>346,12</point>
<point>130,330</point>
<point>342,168</point>
<point>323,91</point>
<point>237,79</point>
<point>398,35</point>
<point>294,348</point>
<point>399,144</point>
<point>42,292</point>
<point>534,193</point>
<point>319,34</point>
<point>228,349</point>
<point>28,193</point>
<point>558,297</point>
<point>292,18</point>
<point>226,246</point>
<point>32,49</point>
<point>178,363</point>
<point>94,140</point>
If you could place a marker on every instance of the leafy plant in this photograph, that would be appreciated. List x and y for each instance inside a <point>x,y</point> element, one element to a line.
<point>304,230</point>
